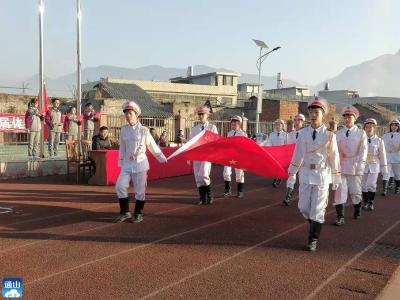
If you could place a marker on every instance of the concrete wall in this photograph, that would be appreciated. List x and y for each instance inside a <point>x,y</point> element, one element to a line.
<point>21,169</point>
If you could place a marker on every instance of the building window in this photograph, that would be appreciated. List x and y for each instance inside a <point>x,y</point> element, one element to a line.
<point>227,80</point>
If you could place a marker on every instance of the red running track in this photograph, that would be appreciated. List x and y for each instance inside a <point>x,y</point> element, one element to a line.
<point>61,240</point>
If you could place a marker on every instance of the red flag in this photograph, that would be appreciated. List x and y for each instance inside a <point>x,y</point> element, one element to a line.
<point>44,109</point>
<point>240,152</point>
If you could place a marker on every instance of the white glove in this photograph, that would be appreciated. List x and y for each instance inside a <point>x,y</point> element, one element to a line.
<point>335,186</point>
<point>360,169</point>
<point>162,159</point>
<point>188,162</point>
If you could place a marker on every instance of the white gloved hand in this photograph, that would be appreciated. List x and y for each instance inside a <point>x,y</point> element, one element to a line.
<point>335,186</point>
<point>188,162</point>
<point>162,159</point>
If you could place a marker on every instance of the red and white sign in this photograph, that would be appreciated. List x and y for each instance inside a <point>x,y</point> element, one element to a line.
<point>12,123</point>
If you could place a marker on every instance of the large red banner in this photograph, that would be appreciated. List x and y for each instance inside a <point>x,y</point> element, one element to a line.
<point>12,123</point>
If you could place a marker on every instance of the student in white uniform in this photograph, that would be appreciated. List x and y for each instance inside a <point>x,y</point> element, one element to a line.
<point>376,162</point>
<point>202,169</point>
<point>316,158</point>
<point>133,142</point>
<point>392,146</point>
<point>353,149</point>
<point>292,137</point>
<point>277,138</point>
<point>236,122</point>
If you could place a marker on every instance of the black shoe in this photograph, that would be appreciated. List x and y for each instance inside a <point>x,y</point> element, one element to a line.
<point>227,192</point>
<point>397,190</point>
<point>123,205</point>
<point>202,195</point>
<point>274,183</point>
<point>288,196</point>
<point>371,198</point>
<point>357,211</point>
<point>209,196</point>
<point>313,236</point>
<point>391,183</point>
<point>340,215</point>
<point>138,214</point>
<point>365,196</point>
<point>240,190</point>
<point>384,187</point>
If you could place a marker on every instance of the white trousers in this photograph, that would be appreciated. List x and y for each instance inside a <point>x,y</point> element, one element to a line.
<point>368,182</point>
<point>139,183</point>
<point>201,170</point>
<point>313,200</point>
<point>351,184</point>
<point>393,171</point>
<point>291,181</point>
<point>238,173</point>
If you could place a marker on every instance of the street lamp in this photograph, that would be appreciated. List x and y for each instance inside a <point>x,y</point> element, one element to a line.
<point>41,75</point>
<point>262,45</point>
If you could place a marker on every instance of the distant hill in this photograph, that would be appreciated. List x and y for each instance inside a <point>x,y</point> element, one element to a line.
<point>64,85</point>
<point>376,77</point>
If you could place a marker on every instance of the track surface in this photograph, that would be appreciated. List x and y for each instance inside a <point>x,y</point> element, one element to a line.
<point>61,240</point>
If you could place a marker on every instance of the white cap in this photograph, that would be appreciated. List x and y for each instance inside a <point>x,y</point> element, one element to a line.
<point>130,105</point>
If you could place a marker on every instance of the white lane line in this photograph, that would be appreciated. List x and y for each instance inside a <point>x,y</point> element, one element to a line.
<point>102,227</point>
<point>152,294</point>
<point>349,262</point>
<point>152,243</point>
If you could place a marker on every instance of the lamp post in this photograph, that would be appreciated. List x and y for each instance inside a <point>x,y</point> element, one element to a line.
<point>262,45</point>
<point>41,76</point>
<point>78,52</point>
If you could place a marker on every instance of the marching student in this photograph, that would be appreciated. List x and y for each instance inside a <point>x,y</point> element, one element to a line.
<point>54,122</point>
<point>71,124</point>
<point>133,142</point>
<point>236,122</point>
<point>276,138</point>
<point>316,158</point>
<point>202,169</point>
<point>298,124</point>
<point>89,117</point>
<point>376,162</point>
<point>353,149</point>
<point>33,122</point>
<point>392,145</point>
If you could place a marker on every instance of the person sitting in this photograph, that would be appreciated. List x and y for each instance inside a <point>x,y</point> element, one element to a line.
<point>101,141</point>
<point>155,136</point>
<point>180,138</point>
<point>164,139</point>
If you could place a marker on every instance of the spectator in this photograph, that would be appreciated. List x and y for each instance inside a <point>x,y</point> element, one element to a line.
<point>164,139</point>
<point>54,122</point>
<point>71,124</point>
<point>102,141</point>
<point>155,136</point>
<point>89,116</point>
<point>180,138</point>
<point>33,122</point>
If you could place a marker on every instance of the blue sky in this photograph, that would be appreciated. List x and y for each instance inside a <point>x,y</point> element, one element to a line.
<point>318,38</point>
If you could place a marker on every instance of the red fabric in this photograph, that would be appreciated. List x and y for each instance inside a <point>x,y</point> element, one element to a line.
<point>243,153</point>
<point>27,118</point>
<point>157,170</point>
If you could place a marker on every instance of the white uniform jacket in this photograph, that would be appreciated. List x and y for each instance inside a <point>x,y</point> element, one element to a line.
<point>293,136</point>
<point>133,142</point>
<point>392,145</point>
<point>237,133</point>
<point>277,138</point>
<point>200,127</point>
<point>353,150</point>
<point>316,160</point>
<point>376,157</point>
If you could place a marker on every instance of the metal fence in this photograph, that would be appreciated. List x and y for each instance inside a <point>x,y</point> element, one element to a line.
<point>115,122</point>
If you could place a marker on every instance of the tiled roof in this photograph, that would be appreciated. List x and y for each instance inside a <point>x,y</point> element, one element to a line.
<point>132,92</point>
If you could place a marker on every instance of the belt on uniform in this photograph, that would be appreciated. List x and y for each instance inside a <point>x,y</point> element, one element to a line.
<point>314,166</point>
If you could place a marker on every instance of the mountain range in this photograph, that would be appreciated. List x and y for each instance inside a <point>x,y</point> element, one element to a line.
<point>376,77</point>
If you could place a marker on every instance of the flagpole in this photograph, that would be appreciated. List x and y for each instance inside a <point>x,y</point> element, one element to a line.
<point>41,77</point>
<point>78,48</point>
